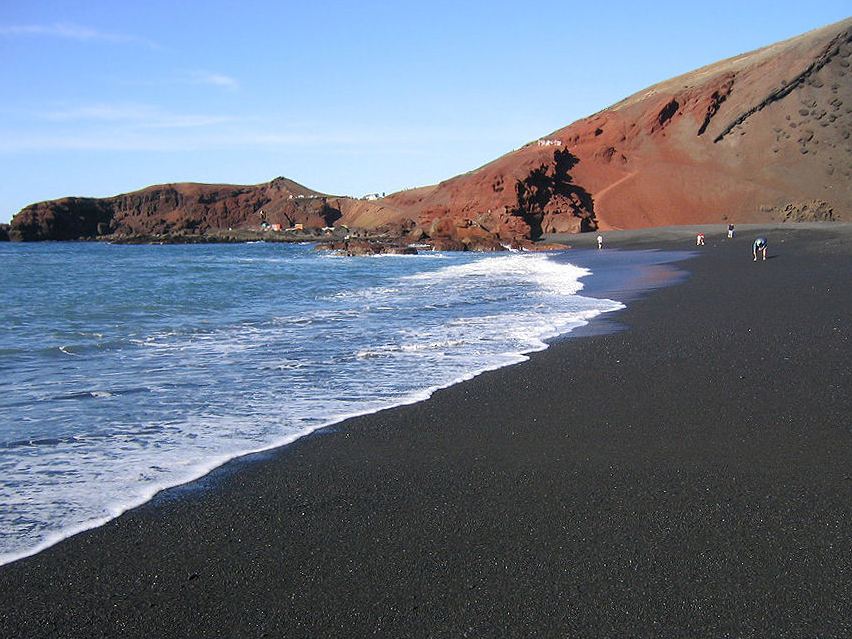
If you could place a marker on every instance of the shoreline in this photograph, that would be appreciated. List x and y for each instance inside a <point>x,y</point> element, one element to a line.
<point>683,477</point>
<point>161,491</point>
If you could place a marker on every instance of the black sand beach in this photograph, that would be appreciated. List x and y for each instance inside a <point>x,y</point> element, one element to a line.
<point>688,476</point>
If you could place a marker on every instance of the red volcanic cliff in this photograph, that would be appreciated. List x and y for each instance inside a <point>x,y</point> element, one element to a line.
<point>177,208</point>
<point>764,136</point>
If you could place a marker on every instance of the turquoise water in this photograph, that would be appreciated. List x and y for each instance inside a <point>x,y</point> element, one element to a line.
<point>127,369</point>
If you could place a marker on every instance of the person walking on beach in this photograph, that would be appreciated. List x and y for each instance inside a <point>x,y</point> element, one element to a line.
<point>730,231</point>
<point>600,242</point>
<point>759,246</point>
<point>699,239</point>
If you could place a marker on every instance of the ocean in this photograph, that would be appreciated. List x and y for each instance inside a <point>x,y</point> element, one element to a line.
<point>125,370</point>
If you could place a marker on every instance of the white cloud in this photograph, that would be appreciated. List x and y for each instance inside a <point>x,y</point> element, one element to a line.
<point>77,32</point>
<point>139,127</point>
<point>124,140</point>
<point>193,139</point>
<point>133,115</point>
<point>214,79</point>
<point>186,78</point>
<point>103,112</point>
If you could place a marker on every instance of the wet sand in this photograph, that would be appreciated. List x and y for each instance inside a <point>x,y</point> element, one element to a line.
<point>688,475</point>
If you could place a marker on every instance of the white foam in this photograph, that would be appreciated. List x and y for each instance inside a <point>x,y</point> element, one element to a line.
<point>263,385</point>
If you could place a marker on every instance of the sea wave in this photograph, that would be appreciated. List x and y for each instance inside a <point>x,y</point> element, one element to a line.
<point>268,362</point>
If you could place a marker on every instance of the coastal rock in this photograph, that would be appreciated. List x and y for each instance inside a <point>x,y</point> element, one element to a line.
<point>447,244</point>
<point>366,247</point>
<point>70,218</point>
<point>177,209</point>
<point>4,232</point>
<point>483,245</point>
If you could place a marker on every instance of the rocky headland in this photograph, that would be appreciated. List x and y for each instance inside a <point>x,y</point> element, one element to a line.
<point>762,137</point>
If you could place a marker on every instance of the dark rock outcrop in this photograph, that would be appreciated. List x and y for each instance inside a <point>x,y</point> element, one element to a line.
<point>550,202</point>
<point>175,209</point>
<point>367,247</point>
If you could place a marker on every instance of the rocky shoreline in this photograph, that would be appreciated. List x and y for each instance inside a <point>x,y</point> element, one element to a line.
<point>343,241</point>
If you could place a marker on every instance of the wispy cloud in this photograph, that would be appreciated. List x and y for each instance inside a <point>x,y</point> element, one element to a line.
<point>214,79</point>
<point>196,139</point>
<point>134,127</point>
<point>186,78</point>
<point>70,31</point>
<point>133,115</point>
<point>137,141</point>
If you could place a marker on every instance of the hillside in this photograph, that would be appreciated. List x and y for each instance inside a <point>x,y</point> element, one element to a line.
<point>763,136</point>
<point>186,208</point>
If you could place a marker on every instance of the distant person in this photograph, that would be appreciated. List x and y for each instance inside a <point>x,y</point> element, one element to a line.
<point>759,246</point>
<point>699,239</point>
<point>600,242</point>
<point>730,231</point>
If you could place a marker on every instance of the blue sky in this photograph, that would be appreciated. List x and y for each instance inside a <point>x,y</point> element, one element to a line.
<point>105,97</point>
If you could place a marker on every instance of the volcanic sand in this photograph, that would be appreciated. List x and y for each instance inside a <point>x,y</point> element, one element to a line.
<point>687,475</point>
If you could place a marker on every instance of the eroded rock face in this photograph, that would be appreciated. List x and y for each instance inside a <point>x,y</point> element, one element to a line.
<point>176,209</point>
<point>761,137</point>
<point>549,201</point>
<point>66,219</point>
<point>748,139</point>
